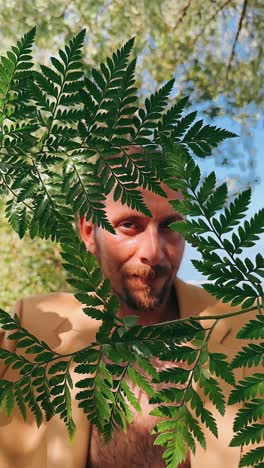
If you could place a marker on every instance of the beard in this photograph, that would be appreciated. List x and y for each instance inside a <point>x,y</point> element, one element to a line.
<point>144,300</point>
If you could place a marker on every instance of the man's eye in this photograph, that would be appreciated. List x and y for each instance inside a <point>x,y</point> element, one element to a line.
<point>128,225</point>
<point>166,227</point>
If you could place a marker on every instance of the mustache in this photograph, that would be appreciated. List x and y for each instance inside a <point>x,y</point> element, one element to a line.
<point>148,273</point>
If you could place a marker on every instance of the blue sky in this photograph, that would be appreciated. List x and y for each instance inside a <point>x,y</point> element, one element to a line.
<point>187,271</point>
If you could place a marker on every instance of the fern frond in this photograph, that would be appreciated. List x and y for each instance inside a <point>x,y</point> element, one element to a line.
<point>170,118</point>
<point>253,330</point>
<point>182,126</point>
<point>248,435</point>
<point>59,86</point>
<point>249,233</point>
<point>235,211</point>
<point>175,442</point>
<point>251,355</point>
<point>203,413</point>
<point>212,388</point>
<point>216,200</point>
<point>251,412</point>
<point>16,65</point>
<point>103,88</point>
<point>253,458</point>
<point>17,216</point>
<point>248,388</point>
<point>148,117</point>
<point>202,139</point>
<point>221,368</point>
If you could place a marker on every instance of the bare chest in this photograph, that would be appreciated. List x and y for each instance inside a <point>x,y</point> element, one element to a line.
<point>135,447</point>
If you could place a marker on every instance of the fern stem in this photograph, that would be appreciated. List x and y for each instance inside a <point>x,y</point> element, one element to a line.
<point>189,384</point>
<point>260,306</point>
<point>15,195</point>
<point>42,183</point>
<point>6,103</point>
<point>206,317</point>
<point>79,179</point>
<point>219,237</point>
<point>122,185</point>
<point>118,390</point>
<point>211,331</point>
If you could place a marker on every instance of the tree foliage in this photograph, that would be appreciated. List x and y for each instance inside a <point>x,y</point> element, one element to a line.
<point>64,141</point>
<point>18,278</point>
<point>188,26</point>
<point>227,37</point>
<point>172,39</point>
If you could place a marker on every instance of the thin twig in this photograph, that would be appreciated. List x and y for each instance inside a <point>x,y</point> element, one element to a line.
<point>240,22</point>
<point>212,17</point>
<point>182,13</point>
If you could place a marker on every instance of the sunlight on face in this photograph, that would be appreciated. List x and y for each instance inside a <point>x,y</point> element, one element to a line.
<point>144,255</point>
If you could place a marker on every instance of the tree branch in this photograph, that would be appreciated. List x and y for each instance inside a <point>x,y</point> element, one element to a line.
<point>212,17</point>
<point>240,22</point>
<point>182,13</point>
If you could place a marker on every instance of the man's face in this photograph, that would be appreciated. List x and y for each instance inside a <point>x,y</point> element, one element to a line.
<point>142,258</point>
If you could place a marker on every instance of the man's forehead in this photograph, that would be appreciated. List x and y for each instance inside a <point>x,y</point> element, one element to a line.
<point>171,194</point>
<point>159,206</point>
<point>150,198</point>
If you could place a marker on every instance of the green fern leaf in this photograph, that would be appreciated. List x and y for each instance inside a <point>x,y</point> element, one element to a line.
<point>207,187</point>
<point>216,200</point>
<point>30,398</point>
<point>251,355</point>
<point>179,353</point>
<point>45,83</point>
<point>17,217</point>
<point>248,388</point>
<point>235,211</point>
<point>20,402</point>
<point>175,375</point>
<point>130,396</point>
<point>247,435</point>
<point>221,368</point>
<point>251,411</point>
<point>195,429</point>
<point>211,388</point>
<point>148,116</point>
<point>182,126</point>
<point>170,118</point>
<point>253,330</point>
<point>105,86</point>
<point>174,442</point>
<point>249,232</point>
<point>140,380</point>
<point>18,61</point>
<point>7,402</point>
<point>201,139</point>
<point>253,458</point>
<point>203,413</point>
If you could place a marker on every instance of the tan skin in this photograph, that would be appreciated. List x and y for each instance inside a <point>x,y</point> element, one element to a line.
<point>142,258</point>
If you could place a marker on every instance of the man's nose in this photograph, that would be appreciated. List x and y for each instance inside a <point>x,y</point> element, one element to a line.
<point>151,247</point>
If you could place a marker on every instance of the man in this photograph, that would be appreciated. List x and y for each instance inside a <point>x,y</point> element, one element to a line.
<point>142,260</point>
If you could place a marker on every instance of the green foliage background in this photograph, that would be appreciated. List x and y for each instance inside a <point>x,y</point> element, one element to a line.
<point>53,122</point>
<point>27,266</point>
<point>192,38</point>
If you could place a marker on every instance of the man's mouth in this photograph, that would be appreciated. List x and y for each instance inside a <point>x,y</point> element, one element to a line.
<point>145,279</point>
